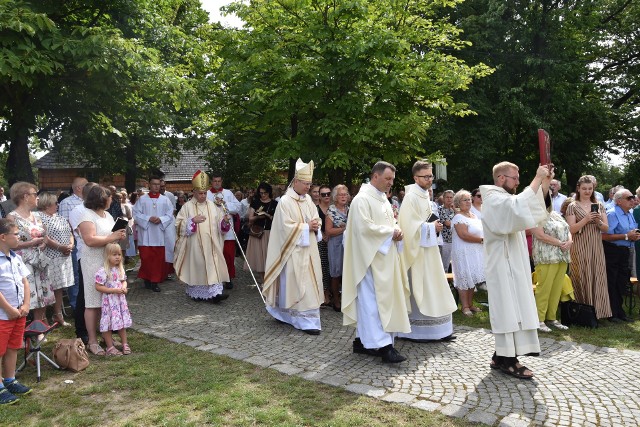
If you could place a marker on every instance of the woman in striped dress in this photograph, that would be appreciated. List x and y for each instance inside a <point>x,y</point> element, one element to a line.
<point>588,269</point>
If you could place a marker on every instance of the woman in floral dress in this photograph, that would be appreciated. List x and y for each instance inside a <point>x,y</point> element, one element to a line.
<point>32,243</point>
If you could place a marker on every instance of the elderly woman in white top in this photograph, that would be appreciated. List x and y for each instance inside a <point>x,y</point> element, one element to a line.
<point>551,244</point>
<point>467,256</point>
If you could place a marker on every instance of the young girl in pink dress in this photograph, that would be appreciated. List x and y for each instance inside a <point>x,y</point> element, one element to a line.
<point>111,281</point>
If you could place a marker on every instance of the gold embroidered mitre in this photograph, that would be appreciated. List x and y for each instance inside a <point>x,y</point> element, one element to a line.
<point>304,171</point>
<point>200,181</point>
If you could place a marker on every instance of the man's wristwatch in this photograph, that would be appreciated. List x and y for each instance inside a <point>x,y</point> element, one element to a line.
<point>626,237</point>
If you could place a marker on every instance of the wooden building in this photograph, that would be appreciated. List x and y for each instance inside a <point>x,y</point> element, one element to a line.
<point>56,173</point>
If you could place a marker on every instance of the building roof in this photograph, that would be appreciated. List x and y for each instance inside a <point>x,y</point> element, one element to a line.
<point>182,170</point>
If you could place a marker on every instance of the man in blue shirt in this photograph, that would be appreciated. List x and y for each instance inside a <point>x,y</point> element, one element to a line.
<point>617,242</point>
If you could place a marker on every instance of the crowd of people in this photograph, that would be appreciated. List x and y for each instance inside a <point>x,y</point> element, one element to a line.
<point>380,259</point>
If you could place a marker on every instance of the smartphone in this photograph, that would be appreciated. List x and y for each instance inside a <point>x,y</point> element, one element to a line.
<point>595,207</point>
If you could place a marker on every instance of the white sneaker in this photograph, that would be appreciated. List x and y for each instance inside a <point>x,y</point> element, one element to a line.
<point>543,327</point>
<point>558,325</point>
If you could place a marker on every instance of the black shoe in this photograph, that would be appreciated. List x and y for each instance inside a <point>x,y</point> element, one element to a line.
<point>147,284</point>
<point>155,287</point>
<point>311,331</point>
<point>627,319</point>
<point>219,297</point>
<point>391,355</point>
<point>358,348</point>
<point>228,285</point>
<point>615,320</point>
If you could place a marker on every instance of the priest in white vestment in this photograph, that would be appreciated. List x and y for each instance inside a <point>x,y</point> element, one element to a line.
<point>154,219</point>
<point>431,299</point>
<point>512,307</point>
<point>221,196</point>
<point>293,274</point>
<point>375,289</point>
<point>198,260</point>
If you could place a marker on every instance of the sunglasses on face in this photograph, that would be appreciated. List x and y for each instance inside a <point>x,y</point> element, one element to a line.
<point>325,194</point>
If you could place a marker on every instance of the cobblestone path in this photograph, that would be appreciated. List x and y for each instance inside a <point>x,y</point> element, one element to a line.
<point>574,384</point>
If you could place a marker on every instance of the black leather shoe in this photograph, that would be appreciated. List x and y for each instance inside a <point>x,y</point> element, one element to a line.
<point>311,331</point>
<point>391,355</point>
<point>155,287</point>
<point>615,320</point>
<point>228,285</point>
<point>147,284</point>
<point>218,298</point>
<point>358,348</point>
<point>627,319</point>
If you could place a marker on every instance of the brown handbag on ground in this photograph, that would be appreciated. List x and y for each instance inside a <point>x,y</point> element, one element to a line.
<point>70,354</point>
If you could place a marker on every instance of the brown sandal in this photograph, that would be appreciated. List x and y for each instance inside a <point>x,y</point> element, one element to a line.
<point>517,371</point>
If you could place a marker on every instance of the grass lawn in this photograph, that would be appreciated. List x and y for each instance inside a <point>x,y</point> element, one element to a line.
<point>618,335</point>
<point>169,384</point>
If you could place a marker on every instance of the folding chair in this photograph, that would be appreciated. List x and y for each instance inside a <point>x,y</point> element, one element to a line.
<point>32,344</point>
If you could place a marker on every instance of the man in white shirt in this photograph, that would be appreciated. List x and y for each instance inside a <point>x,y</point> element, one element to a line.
<point>557,199</point>
<point>221,196</point>
<point>163,190</point>
<point>64,210</point>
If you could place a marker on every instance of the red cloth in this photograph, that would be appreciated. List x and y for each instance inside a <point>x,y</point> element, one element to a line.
<point>214,191</point>
<point>152,264</point>
<point>229,252</point>
<point>11,332</point>
<point>154,195</point>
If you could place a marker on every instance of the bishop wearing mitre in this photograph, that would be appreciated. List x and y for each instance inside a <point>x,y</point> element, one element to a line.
<point>293,275</point>
<point>198,260</point>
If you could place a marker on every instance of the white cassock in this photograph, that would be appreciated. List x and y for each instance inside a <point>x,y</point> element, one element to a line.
<point>149,234</point>
<point>431,300</point>
<point>232,204</point>
<point>512,307</point>
<point>375,290</point>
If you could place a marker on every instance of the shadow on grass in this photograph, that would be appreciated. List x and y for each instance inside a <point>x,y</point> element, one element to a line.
<point>169,384</point>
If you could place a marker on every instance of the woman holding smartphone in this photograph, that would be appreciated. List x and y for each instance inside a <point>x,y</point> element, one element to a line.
<point>587,220</point>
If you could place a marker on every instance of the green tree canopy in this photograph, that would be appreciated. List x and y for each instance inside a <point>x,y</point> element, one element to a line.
<point>343,83</point>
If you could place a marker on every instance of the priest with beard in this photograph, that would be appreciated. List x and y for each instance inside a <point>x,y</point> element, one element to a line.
<point>431,300</point>
<point>512,307</point>
<point>293,274</point>
<point>375,289</point>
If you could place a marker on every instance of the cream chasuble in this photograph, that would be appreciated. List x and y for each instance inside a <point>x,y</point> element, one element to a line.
<point>512,307</point>
<point>370,225</point>
<point>429,285</point>
<point>198,256</point>
<point>301,264</point>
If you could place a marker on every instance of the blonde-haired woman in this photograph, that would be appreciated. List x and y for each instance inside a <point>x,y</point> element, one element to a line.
<point>59,244</point>
<point>467,258</point>
<point>32,243</point>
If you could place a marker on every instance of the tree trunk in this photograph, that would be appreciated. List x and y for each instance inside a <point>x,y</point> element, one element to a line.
<point>130,174</point>
<point>18,167</point>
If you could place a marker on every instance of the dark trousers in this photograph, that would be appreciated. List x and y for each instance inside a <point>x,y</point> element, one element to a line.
<point>618,275</point>
<point>81,327</point>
